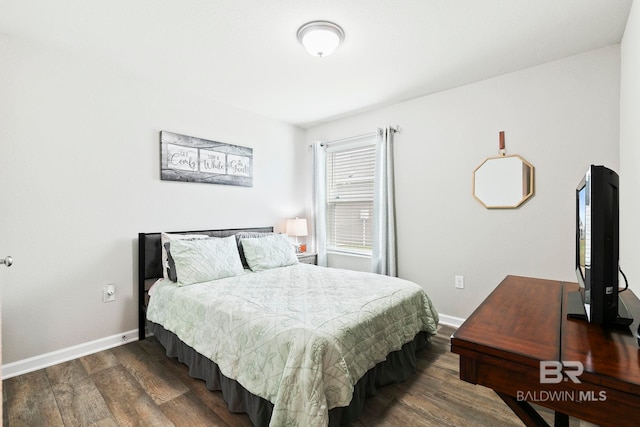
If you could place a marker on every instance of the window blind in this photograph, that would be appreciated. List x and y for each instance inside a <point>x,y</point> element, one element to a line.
<point>350,190</point>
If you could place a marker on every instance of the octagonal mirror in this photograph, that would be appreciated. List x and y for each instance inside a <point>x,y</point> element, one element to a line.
<point>503,182</point>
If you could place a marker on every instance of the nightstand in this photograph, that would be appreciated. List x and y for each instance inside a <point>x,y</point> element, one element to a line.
<point>308,258</point>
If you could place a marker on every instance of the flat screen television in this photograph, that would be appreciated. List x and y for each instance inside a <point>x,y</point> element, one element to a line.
<point>597,237</point>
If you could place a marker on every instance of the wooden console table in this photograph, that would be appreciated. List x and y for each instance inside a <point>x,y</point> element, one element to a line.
<point>523,323</point>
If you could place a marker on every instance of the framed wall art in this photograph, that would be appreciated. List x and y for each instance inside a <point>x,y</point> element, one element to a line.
<point>191,159</point>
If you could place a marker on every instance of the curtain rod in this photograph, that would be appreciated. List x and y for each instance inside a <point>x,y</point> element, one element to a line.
<point>348,139</point>
<point>396,129</point>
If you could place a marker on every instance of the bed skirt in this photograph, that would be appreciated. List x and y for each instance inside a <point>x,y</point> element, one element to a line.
<point>398,366</point>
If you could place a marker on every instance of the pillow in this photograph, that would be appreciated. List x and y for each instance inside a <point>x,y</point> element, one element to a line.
<point>248,235</point>
<point>202,260</point>
<point>164,239</point>
<point>171,265</point>
<point>268,252</point>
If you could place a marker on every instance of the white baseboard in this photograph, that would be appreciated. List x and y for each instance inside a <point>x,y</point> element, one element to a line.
<point>49,359</point>
<point>451,320</point>
<point>31,364</point>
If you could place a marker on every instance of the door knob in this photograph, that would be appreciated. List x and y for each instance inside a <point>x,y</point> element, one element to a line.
<point>7,261</point>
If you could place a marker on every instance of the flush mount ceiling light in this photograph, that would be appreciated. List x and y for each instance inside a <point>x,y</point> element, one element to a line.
<point>320,38</point>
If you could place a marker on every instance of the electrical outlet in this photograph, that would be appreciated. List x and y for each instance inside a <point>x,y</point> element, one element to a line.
<point>459,281</point>
<point>109,293</point>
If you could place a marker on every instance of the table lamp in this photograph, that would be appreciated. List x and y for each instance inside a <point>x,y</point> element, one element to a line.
<point>297,227</point>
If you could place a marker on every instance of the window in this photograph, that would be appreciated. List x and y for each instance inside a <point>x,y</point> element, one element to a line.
<point>350,189</point>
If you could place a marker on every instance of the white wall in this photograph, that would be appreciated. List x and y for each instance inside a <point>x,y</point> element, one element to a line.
<point>79,171</point>
<point>630,150</point>
<point>561,117</point>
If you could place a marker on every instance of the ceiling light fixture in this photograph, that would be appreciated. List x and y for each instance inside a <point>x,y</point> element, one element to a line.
<point>320,38</point>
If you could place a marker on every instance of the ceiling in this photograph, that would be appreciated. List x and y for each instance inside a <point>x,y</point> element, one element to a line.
<point>244,53</point>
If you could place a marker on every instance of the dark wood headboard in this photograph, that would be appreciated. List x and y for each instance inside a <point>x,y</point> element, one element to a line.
<point>150,263</point>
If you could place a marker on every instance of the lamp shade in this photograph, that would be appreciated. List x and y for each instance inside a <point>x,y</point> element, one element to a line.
<point>320,38</point>
<point>297,227</point>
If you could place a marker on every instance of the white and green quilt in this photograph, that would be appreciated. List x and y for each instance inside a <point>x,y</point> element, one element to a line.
<point>299,336</point>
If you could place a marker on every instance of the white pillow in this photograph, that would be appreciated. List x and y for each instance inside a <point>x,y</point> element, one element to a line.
<point>248,235</point>
<point>166,237</point>
<point>202,260</point>
<point>269,252</point>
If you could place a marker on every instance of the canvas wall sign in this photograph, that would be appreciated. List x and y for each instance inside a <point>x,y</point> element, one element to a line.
<point>191,159</point>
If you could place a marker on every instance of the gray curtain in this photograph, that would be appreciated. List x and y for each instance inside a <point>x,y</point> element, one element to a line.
<point>383,258</point>
<point>319,201</point>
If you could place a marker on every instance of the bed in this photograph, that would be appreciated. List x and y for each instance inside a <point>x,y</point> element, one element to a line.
<point>286,342</point>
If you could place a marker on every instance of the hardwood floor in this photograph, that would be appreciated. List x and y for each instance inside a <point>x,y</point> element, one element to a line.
<point>137,385</point>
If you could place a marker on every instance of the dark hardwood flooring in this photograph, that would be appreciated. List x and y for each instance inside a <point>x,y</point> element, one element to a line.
<point>137,385</point>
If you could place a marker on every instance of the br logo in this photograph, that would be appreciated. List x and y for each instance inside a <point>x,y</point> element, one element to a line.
<point>552,372</point>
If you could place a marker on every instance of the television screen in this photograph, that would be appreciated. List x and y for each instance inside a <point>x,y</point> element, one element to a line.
<point>596,257</point>
<point>583,227</point>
